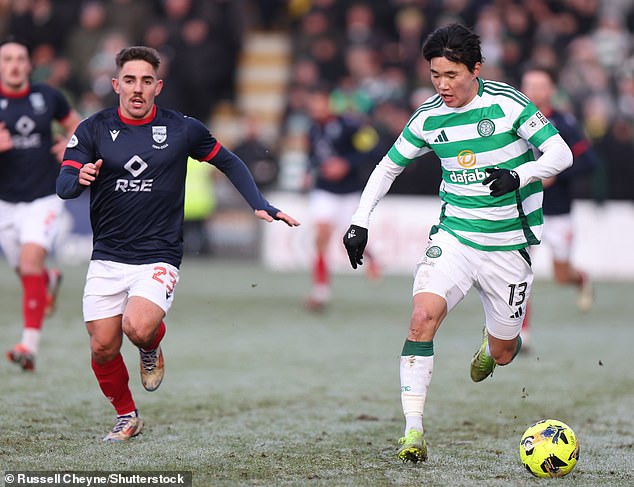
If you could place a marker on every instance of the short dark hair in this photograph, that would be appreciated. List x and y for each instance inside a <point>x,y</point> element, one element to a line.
<point>456,43</point>
<point>138,53</point>
<point>13,39</point>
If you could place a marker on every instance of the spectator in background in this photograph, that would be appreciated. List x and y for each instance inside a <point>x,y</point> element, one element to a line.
<point>207,35</point>
<point>540,85</point>
<point>360,26</point>
<point>84,39</point>
<point>43,22</point>
<point>100,66</point>
<point>128,16</point>
<point>339,148</point>
<point>411,25</point>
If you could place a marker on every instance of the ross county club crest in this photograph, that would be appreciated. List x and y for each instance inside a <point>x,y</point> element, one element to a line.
<point>433,252</point>
<point>486,127</point>
<point>159,133</point>
<point>37,102</point>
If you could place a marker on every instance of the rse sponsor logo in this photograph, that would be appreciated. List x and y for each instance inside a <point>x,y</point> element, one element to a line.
<point>135,166</point>
<point>133,185</point>
<point>467,176</point>
<point>26,141</point>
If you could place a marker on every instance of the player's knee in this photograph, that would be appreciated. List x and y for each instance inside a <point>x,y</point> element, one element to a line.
<point>423,324</point>
<point>103,352</point>
<point>138,333</point>
<point>138,336</point>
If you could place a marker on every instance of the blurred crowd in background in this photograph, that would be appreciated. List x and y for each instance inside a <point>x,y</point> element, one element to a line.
<point>367,51</point>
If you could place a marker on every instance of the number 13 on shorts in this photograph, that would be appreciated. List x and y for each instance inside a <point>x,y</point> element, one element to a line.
<point>517,293</point>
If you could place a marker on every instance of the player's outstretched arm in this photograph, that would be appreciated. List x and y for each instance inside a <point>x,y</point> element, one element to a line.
<point>238,173</point>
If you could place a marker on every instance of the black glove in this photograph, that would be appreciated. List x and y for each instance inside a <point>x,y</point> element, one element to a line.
<point>502,180</point>
<point>355,240</point>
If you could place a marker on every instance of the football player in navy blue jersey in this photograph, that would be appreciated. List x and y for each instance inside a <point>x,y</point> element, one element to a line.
<point>339,148</point>
<point>539,84</point>
<point>134,160</point>
<point>29,208</point>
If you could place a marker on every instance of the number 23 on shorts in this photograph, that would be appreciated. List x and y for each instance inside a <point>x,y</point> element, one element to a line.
<point>166,277</point>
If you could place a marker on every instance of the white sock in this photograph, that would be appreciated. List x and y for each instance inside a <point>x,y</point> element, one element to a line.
<point>416,372</point>
<point>31,339</point>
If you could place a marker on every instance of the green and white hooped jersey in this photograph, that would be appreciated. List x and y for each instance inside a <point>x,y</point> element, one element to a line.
<point>496,128</point>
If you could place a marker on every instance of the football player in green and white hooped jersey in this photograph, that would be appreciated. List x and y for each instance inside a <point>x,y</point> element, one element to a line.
<point>483,132</point>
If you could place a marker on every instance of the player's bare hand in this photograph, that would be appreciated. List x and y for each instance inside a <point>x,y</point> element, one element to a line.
<point>6,142</point>
<point>89,172</point>
<point>280,215</point>
<point>289,220</point>
<point>59,147</point>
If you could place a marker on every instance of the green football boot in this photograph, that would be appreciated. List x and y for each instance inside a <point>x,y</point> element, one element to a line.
<point>482,364</point>
<point>414,448</point>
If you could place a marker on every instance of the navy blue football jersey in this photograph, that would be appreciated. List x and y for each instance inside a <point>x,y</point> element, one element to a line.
<point>137,200</point>
<point>340,136</point>
<point>558,197</point>
<point>28,171</point>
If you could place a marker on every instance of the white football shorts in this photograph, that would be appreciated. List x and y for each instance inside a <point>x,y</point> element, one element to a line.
<point>110,284</point>
<point>503,279</point>
<point>558,236</point>
<point>34,222</point>
<point>336,209</point>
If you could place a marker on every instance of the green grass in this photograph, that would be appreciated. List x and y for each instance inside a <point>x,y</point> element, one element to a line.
<point>259,392</point>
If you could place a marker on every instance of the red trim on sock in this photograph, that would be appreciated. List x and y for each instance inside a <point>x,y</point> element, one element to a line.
<point>33,300</point>
<point>160,333</point>
<point>113,380</point>
<point>321,275</point>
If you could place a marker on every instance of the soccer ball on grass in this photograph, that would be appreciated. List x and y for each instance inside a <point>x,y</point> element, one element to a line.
<point>549,448</point>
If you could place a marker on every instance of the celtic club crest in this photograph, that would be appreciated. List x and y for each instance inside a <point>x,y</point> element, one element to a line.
<point>486,127</point>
